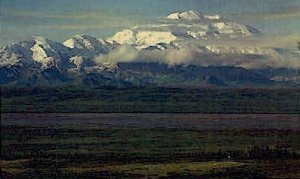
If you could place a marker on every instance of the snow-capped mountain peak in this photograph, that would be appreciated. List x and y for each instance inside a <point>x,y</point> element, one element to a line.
<point>87,43</point>
<point>42,41</point>
<point>182,38</point>
<point>213,17</point>
<point>187,15</point>
<point>179,27</point>
<point>143,38</point>
<point>48,52</point>
<point>82,42</point>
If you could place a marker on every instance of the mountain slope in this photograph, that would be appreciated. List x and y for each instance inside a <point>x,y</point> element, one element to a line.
<point>170,53</point>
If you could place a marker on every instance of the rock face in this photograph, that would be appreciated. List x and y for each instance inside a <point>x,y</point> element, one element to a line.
<point>168,53</point>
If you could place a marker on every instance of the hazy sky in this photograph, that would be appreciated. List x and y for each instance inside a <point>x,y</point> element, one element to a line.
<point>60,19</point>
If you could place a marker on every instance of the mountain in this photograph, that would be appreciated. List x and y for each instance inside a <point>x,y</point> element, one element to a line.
<point>89,45</point>
<point>182,27</point>
<point>169,53</point>
<point>42,61</point>
<point>188,15</point>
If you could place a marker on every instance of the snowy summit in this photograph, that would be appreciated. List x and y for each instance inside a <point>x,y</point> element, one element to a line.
<point>188,15</point>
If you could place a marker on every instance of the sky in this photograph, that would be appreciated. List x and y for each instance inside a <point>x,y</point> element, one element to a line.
<point>278,20</point>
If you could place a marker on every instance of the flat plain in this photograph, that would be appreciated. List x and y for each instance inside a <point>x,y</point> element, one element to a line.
<point>161,145</point>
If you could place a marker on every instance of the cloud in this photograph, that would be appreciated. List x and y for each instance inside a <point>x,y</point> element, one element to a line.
<point>120,54</point>
<point>288,41</point>
<point>192,55</point>
<point>282,41</point>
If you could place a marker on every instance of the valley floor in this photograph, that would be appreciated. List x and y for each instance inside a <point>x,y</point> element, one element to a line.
<point>138,145</point>
<point>149,100</point>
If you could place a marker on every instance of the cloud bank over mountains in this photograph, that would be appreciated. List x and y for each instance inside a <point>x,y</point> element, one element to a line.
<point>193,38</point>
<point>187,37</point>
<point>203,56</point>
<point>184,46</point>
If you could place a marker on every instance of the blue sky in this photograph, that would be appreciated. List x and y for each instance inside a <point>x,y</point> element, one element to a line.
<point>60,19</point>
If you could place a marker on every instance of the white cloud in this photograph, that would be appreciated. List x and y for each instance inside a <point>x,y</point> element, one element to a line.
<point>191,55</point>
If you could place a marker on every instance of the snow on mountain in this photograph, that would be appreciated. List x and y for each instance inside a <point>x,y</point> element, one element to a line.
<point>37,51</point>
<point>142,38</point>
<point>192,16</point>
<point>188,15</point>
<point>177,41</point>
<point>242,50</point>
<point>124,37</point>
<point>213,17</point>
<point>14,53</point>
<point>78,61</point>
<point>182,26</point>
<point>48,52</point>
<point>89,43</point>
<point>183,33</point>
<point>179,31</point>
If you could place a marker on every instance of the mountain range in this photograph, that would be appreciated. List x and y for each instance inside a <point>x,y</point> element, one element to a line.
<point>182,49</point>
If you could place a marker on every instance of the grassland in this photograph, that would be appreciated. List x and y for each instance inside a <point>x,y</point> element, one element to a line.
<point>149,145</point>
<point>150,100</point>
<point>152,132</point>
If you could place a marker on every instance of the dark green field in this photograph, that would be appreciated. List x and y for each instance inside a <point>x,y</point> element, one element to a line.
<point>150,100</point>
<point>152,132</point>
<point>150,145</point>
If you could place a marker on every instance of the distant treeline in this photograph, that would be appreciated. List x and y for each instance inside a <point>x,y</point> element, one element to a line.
<point>149,100</point>
<point>32,151</point>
